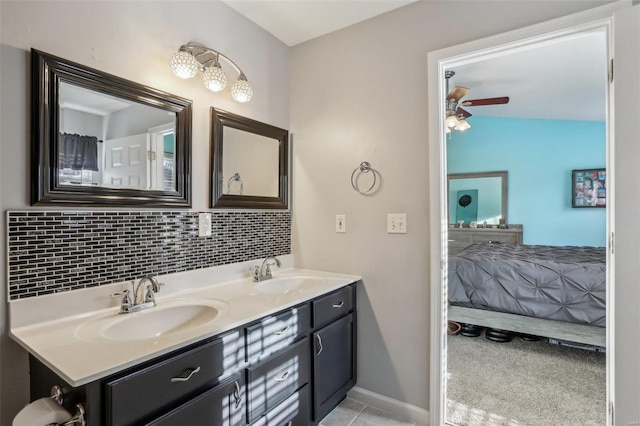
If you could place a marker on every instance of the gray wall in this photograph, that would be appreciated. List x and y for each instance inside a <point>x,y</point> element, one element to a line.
<point>133,40</point>
<point>360,94</point>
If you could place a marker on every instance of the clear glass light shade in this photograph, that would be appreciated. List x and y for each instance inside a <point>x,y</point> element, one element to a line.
<point>462,125</point>
<point>241,90</point>
<point>451,121</point>
<point>184,65</point>
<point>214,78</point>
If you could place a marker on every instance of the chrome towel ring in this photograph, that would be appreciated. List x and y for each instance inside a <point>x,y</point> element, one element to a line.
<point>235,178</point>
<point>365,167</point>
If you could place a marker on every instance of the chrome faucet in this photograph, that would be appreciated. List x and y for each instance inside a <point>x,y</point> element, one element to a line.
<point>263,272</point>
<point>143,296</point>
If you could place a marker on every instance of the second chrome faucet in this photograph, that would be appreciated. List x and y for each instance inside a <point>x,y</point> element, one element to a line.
<point>263,272</point>
<point>143,296</point>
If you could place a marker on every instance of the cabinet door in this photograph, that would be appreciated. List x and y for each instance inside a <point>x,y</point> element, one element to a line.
<point>222,405</point>
<point>334,366</point>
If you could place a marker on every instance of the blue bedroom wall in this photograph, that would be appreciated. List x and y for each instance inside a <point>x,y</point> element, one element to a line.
<point>539,156</point>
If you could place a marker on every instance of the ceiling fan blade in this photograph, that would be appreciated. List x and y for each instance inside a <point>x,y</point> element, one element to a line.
<point>465,114</point>
<point>486,101</point>
<point>457,93</point>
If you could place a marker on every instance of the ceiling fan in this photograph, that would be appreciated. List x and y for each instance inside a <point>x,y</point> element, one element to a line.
<point>456,115</point>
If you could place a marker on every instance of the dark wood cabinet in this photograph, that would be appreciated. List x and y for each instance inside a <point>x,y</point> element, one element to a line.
<point>286,369</point>
<point>334,349</point>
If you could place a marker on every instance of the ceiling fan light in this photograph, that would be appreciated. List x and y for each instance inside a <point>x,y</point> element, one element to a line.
<point>214,78</point>
<point>184,65</point>
<point>451,121</point>
<point>241,90</point>
<point>462,125</point>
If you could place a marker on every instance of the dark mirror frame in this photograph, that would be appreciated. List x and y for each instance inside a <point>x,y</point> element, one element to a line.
<point>220,119</point>
<point>47,72</point>
<point>503,175</point>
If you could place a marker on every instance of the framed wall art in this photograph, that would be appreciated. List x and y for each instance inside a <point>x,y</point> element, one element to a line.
<point>589,188</point>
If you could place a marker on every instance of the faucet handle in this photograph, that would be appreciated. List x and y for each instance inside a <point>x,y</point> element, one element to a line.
<point>150,294</point>
<point>255,272</point>
<point>126,298</point>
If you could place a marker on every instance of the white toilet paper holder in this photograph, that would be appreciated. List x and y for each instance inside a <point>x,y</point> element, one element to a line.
<point>78,418</point>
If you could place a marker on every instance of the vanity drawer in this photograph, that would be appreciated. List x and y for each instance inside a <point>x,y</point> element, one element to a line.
<point>271,382</point>
<point>293,411</point>
<point>221,405</point>
<point>333,305</point>
<point>148,392</point>
<point>276,332</point>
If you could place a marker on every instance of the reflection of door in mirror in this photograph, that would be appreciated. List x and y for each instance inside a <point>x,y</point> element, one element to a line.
<point>254,158</point>
<point>112,142</point>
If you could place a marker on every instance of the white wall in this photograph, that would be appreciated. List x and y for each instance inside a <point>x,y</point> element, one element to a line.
<point>133,40</point>
<point>360,94</point>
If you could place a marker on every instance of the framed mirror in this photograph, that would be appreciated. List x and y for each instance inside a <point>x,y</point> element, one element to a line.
<point>249,163</point>
<point>98,139</point>
<point>477,197</point>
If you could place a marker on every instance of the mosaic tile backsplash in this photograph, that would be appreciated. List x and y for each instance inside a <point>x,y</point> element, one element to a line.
<point>59,251</point>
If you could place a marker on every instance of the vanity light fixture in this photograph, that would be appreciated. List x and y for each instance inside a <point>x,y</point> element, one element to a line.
<point>193,57</point>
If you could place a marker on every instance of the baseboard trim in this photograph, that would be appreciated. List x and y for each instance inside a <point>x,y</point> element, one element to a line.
<point>391,405</point>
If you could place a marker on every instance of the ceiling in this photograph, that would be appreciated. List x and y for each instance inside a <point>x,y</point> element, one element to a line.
<point>565,80</point>
<point>556,80</point>
<point>296,21</point>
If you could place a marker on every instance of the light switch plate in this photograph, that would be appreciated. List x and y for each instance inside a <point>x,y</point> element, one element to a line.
<point>397,223</point>
<point>204,224</point>
<point>341,223</point>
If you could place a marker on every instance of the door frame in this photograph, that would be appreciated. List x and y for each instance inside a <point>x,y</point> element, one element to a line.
<point>590,20</point>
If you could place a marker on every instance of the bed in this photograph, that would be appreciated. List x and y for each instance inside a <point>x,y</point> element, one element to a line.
<point>558,285</point>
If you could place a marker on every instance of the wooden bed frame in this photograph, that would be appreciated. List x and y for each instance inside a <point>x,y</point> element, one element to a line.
<point>561,330</point>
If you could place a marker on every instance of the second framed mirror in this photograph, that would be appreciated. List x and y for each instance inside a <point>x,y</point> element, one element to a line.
<point>249,163</point>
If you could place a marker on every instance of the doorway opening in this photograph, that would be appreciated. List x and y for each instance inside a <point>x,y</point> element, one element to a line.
<point>537,152</point>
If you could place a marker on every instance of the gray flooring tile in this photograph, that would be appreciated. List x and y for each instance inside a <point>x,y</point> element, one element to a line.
<point>339,417</point>
<point>383,418</point>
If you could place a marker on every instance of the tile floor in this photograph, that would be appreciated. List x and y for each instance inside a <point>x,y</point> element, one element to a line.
<point>354,413</point>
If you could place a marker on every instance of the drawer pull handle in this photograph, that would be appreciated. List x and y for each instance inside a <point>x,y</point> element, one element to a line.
<point>184,379</point>
<point>338,305</point>
<point>236,395</point>
<point>319,339</point>
<point>281,331</point>
<point>290,423</point>
<point>283,377</point>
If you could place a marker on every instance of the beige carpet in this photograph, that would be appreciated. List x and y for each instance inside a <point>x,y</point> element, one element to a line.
<point>524,383</point>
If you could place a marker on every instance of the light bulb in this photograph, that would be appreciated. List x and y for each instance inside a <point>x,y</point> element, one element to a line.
<point>241,90</point>
<point>214,78</point>
<point>451,121</point>
<point>462,125</point>
<point>184,65</point>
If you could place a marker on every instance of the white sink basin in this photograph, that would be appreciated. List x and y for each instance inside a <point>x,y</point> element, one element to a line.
<point>174,317</point>
<point>287,284</point>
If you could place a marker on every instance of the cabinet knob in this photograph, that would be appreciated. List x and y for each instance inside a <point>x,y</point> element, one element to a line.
<point>319,340</point>
<point>184,379</point>
<point>283,377</point>
<point>237,396</point>
<point>281,331</point>
<point>338,305</point>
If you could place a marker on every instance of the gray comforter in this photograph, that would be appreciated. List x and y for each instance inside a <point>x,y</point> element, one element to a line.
<point>559,283</point>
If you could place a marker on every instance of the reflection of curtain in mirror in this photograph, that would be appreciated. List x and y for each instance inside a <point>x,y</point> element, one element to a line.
<point>78,152</point>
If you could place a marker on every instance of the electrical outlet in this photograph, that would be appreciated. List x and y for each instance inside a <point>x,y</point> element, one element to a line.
<point>341,223</point>
<point>397,223</point>
<point>204,224</point>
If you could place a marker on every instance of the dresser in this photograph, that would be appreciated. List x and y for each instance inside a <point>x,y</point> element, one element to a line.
<point>459,238</point>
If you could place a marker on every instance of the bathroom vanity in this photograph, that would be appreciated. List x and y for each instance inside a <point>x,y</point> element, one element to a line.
<point>280,353</point>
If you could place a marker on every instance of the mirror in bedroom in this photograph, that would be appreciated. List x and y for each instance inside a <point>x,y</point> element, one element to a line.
<point>102,140</point>
<point>477,197</point>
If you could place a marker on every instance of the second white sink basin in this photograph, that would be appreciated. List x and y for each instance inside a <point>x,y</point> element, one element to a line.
<point>287,284</point>
<point>176,316</point>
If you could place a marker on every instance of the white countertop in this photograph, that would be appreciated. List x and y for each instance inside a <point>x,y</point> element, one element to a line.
<point>53,335</point>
